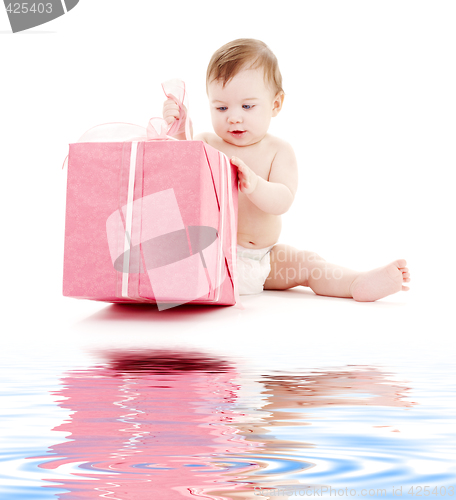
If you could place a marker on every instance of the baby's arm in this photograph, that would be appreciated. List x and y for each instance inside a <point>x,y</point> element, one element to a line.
<point>273,196</point>
<point>201,137</point>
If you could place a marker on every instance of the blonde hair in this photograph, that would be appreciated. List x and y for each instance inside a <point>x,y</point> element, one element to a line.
<point>234,56</point>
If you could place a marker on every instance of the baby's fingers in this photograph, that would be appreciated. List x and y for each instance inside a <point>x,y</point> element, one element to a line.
<point>243,173</point>
<point>241,166</point>
<point>170,111</point>
<point>170,104</point>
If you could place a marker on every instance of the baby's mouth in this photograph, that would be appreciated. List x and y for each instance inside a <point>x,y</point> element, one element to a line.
<point>237,133</point>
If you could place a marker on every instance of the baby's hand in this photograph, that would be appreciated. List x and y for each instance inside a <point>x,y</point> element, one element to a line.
<point>248,179</point>
<point>170,111</point>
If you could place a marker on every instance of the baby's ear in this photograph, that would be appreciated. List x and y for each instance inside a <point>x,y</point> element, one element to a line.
<point>277,103</point>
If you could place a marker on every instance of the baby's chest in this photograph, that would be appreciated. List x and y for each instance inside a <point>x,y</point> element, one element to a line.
<point>257,158</point>
<point>259,163</point>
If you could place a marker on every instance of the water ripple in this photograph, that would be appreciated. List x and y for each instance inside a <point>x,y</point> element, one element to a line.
<point>166,425</point>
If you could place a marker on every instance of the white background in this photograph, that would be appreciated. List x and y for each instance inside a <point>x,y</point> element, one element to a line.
<point>370,109</point>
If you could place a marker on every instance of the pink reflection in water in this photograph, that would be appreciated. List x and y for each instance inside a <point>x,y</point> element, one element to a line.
<point>160,424</point>
<point>150,423</point>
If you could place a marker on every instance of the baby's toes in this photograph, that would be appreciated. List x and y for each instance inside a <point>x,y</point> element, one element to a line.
<point>400,263</point>
<point>405,275</point>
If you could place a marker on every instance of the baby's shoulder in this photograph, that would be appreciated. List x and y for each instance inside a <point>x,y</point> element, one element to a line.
<point>279,147</point>
<point>207,137</point>
<point>278,144</point>
<point>283,156</point>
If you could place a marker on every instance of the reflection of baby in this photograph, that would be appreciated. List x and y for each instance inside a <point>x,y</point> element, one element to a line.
<point>288,401</point>
<point>351,386</point>
<point>244,86</point>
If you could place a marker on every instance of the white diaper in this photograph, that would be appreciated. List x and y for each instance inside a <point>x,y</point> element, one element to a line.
<point>253,267</point>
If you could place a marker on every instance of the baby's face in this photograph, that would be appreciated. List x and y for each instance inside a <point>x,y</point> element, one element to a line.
<point>242,110</point>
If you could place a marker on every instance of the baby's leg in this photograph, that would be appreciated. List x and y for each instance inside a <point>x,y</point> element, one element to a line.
<point>291,267</point>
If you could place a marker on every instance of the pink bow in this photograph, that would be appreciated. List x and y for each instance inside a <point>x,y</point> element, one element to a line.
<point>157,129</point>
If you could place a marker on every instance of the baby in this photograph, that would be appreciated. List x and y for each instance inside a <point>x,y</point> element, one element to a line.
<point>244,86</point>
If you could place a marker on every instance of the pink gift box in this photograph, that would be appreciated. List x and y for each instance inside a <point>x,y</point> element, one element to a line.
<point>149,219</point>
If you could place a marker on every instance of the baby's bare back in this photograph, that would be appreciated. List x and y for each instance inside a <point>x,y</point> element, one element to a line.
<point>256,229</point>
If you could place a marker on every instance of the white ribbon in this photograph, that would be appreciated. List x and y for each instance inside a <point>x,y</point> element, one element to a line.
<point>129,219</point>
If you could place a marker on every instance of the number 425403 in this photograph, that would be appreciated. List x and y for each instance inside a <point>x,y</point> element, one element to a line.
<point>23,8</point>
<point>420,491</point>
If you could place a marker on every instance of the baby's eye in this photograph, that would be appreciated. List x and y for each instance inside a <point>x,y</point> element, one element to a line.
<point>222,108</point>
<point>248,106</point>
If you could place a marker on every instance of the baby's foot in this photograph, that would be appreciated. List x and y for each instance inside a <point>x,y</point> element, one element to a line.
<point>379,283</point>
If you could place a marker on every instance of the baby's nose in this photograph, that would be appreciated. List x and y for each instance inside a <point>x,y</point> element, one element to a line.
<point>234,119</point>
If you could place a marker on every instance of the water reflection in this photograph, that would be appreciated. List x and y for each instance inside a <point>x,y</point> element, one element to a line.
<point>166,424</point>
<point>351,386</point>
<point>294,404</point>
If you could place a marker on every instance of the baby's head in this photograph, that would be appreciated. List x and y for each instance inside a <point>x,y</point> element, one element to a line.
<point>241,54</point>
<point>244,86</point>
